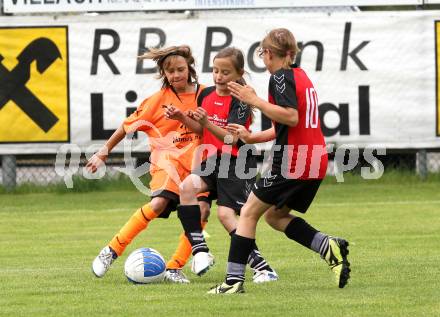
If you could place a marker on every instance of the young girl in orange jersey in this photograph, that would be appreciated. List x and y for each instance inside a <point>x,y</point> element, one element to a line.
<point>172,146</point>
<point>217,108</point>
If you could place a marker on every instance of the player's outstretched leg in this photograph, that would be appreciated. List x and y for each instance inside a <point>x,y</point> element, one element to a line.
<point>137,222</point>
<point>336,258</point>
<point>333,250</point>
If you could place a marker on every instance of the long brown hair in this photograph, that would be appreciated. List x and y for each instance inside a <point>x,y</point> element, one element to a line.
<point>160,56</point>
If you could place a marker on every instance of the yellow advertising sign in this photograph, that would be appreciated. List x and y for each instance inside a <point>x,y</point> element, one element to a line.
<point>34,84</point>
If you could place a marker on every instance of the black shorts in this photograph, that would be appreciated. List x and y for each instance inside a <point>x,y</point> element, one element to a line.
<point>297,194</point>
<point>174,201</point>
<point>231,189</point>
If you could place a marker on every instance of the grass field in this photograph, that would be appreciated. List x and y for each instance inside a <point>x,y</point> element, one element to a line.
<point>48,241</point>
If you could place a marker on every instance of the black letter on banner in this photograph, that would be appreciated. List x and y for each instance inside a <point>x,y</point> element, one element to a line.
<point>97,108</point>
<point>250,59</point>
<point>353,53</point>
<point>320,54</point>
<point>105,53</point>
<point>143,49</point>
<point>131,96</point>
<point>364,110</point>
<point>209,48</point>
<point>343,126</point>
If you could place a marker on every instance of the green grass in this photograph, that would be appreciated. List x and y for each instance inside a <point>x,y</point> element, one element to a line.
<point>80,185</point>
<point>48,241</point>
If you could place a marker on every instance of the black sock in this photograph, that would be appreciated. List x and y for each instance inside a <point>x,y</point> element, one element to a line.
<point>189,216</point>
<point>255,260</point>
<point>239,252</point>
<point>300,231</point>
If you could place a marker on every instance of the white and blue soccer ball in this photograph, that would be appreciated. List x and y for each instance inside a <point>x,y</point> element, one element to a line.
<point>144,266</point>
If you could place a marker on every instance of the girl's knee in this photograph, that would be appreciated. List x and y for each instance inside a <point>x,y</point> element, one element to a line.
<point>188,186</point>
<point>185,186</point>
<point>158,204</point>
<point>249,213</point>
<point>271,217</point>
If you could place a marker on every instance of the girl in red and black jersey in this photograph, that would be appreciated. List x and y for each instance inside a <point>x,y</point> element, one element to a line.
<point>227,171</point>
<point>298,167</point>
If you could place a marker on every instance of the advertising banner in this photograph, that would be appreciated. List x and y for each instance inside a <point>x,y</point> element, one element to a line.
<point>74,79</point>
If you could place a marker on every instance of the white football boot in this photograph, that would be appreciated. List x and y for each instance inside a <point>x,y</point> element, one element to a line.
<point>176,276</point>
<point>103,261</point>
<point>264,276</point>
<point>201,263</point>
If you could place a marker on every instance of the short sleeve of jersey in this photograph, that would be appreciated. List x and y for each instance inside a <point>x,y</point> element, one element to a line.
<point>239,112</point>
<point>205,92</point>
<point>282,88</point>
<point>134,122</point>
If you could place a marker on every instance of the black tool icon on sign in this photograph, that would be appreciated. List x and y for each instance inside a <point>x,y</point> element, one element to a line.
<point>13,83</point>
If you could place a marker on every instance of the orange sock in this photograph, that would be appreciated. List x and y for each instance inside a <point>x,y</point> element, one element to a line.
<point>138,222</point>
<point>182,253</point>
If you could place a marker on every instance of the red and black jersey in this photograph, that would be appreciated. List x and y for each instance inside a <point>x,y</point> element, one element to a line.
<point>306,155</point>
<point>221,111</point>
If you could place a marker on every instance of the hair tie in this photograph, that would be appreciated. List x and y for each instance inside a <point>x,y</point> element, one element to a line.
<point>175,53</point>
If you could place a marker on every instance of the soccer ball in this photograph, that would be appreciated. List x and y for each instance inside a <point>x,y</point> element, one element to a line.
<point>144,266</point>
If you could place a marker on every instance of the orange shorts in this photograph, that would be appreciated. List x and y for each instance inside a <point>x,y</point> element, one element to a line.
<point>165,180</point>
<point>169,181</point>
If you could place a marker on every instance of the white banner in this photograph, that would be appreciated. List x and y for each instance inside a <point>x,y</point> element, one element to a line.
<point>33,6</point>
<point>375,73</point>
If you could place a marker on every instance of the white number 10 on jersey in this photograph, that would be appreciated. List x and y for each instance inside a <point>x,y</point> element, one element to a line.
<point>312,108</point>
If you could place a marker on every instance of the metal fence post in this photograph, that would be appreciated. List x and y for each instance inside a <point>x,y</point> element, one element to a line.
<point>9,171</point>
<point>422,164</point>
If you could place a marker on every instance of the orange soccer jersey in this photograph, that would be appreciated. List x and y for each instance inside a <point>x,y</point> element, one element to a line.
<point>172,143</point>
